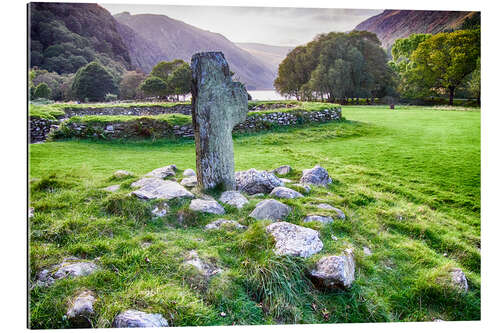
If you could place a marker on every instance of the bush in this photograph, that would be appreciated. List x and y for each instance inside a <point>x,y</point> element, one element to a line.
<point>93,82</point>
<point>42,91</point>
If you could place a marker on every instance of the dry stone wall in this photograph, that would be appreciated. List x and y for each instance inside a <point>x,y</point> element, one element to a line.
<point>154,128</point>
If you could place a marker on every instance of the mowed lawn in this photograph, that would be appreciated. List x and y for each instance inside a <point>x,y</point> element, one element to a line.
<point>408,181</point>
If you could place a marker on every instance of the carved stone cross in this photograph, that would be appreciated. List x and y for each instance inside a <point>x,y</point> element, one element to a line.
<point>217,105</point>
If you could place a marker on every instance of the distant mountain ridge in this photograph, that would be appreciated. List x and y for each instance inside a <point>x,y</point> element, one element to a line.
<point>393,24</point>
<point>151,38</point>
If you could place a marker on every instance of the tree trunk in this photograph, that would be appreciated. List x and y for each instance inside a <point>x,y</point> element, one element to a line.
<point>452,94</point>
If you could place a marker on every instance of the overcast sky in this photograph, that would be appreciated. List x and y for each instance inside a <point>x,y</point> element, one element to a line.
<point>274,26</point>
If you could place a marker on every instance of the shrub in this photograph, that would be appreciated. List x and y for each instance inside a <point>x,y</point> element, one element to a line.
<point>93,82</point>
<point>42,91</point>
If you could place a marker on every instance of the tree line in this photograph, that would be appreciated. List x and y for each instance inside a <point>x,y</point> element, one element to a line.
<point>94,82</point>
<point>339,66</point>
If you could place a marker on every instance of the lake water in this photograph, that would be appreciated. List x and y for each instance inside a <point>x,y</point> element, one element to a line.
<point>266,95</point>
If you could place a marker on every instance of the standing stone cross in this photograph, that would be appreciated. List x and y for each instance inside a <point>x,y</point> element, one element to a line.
<point>217,105</point>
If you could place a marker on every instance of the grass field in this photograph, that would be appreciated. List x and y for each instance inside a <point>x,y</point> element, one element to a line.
<point>408,181</point>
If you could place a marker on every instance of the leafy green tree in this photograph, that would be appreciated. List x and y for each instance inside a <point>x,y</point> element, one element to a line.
<point>93,82</point>
<point>129,84</point>
<point>179,81</point>
<point>444,60</point>
<point>401,51</point>
<point>163,69</point>
<point>42,91</point>
<point>154,86</point>
<point>336,65</point>
<point>474,83</point>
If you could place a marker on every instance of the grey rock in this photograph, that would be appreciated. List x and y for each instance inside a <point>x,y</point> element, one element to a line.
<point>367,252</point>
<point>214,118</point>
<point>155,188</point>
<point>112,188</point>
<point>122,174</point>
<point>294,240</point>
<point>256,181</point>
<point>134,318</point>
<point>81,309</point>
<point>318,218</point>
<point>233,198</point>
<point>189,173</point>
<point>221,223</point>
<point>163,172</point>
<point>160,210</point>
<point>70,267</point>
<point>204,268</point>
<point>270,209</point>
<point>189,181</point>
<point>206,206</point>
<point>285,193</point>
<point>335,271</point>
<point>286,181</point>
<point>283,170</point>
<point>459,280</point>
<point>31,212</point>
<point>315,176</point>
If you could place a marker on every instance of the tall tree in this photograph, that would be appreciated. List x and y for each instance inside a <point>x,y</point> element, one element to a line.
<point>445,59</point>
<point>179,81</point>
<point>93,82</point>
<point>129,84</point>
<point>154,86</point>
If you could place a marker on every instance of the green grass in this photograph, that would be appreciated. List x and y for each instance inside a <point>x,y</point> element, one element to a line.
<point>408,181</point>
<point>170,118</point>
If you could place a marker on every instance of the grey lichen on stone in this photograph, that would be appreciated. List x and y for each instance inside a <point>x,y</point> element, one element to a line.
<point>134,318</point>
<point>270,209</point>
<point>206,206</point>
<point>335,271</point>
<point>81,309</point>
<point>69,267</point>
<point>318,218</point>
<point>218,104</point>
<point>459,280</point>
<point>285,193</point>
<point>233,198</point>
<point>294,240</point>
<point>222,223</point>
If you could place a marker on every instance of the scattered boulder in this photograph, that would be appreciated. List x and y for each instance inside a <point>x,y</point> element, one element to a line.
<point>459,280</point>
<point>206,206</point>
<point>134,318</point>
<point>160,210</point>
<point>154,188</point>
<point>256,181</point>
<point>340,214</point>
<point>119,174</point>
<point>335,271</point>
<point>222,223</point>
<point>294,240</point>
<point>282,170</point>
<point>318,218</point>
<point>206,269</point>
<point>163,172</point>
<point>112,188</point>
<point>315,176</point>
<point>270,209</point>
<point>70,267</point>
<point>367,252</point>
<point>285,193</point>
<point>233,198</point>
<point>285,180</point>
<point>81,309</point>
<point>189,181</point>
<point>189,173</point>
<point>31,212</point>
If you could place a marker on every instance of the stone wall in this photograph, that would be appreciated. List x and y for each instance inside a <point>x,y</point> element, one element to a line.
<point>155,128</point>
<point>128,110</point>
<point>39,128</point>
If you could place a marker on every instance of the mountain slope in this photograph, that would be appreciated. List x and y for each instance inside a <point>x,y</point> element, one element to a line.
<point>178,40</point>
<point>66,36</point>
<point>271,55</point>
<point>393,24</point>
